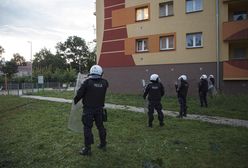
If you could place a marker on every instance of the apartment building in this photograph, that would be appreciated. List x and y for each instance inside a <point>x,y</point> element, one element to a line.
<point>136,38</point>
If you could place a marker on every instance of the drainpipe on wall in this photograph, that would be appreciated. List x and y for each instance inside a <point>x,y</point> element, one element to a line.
<point>217,46</point>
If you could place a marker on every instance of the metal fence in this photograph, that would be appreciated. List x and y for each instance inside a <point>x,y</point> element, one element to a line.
<point>18,89</point>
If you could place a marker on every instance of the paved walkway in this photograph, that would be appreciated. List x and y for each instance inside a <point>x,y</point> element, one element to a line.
<point>204,118</point>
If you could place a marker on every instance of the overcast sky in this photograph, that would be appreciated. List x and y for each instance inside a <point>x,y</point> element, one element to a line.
<point>44,22</point>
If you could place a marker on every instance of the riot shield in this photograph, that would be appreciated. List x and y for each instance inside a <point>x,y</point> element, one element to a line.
<point>74,122</point>
<point>143,82</point>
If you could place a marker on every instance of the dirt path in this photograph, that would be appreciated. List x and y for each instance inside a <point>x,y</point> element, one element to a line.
<point>204,118</point>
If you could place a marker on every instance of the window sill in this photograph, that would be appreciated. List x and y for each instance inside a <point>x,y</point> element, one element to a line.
<point>194,47</point>
<point>166,16</point>
<point>171,49</point>
<point>145,51</point>
<point>194,11</point>
<point>145,20</point>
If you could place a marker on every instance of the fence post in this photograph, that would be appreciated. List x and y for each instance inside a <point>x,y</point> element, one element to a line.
<point>32,84</point>
<point>8,88</point>
<point>18,90</point>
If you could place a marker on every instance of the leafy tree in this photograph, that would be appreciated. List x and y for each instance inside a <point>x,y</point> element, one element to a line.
<point>1,52</point>
<point>76,52</point>
<point>45,60</point>
<point>10,68</point>
<point>19,60</point>
<point>91,59</point>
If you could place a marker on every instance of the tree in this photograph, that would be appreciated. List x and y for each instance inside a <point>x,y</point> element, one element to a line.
<point>76,52</point>
<point>44,60</point>
<point>19,60</point>
<point>91,59</point>
<point>10,68</point>
<point>1,52</point>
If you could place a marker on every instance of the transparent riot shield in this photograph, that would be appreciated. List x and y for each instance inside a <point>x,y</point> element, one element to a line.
<point>74,122</point>
<point>143,82</point>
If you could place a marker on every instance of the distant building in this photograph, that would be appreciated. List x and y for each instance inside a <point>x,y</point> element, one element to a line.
<point>136,38</point>
<point>24,70</point>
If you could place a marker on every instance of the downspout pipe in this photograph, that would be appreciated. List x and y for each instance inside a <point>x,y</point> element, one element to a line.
<point>217,46</point>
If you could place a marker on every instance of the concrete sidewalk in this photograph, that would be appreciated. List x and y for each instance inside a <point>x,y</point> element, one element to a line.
<point>204,118</point>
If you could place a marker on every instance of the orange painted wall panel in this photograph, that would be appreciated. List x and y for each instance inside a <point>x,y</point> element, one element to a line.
<point>123,17</point>
<point>153,43</point>
<point>129,46</point>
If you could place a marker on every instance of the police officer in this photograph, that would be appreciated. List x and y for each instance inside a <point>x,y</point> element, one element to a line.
<point>154,90</point>
<point>182,90</point>
<point>203,90</point>
<point>92,92</point>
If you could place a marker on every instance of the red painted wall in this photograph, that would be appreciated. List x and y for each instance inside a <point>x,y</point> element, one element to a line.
<point>112,54</point>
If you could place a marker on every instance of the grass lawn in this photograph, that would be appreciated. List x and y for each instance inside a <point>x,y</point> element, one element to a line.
<point>221,105</point>
<point>34,134</point>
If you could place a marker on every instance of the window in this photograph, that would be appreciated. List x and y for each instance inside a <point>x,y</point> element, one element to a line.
<point>193,5</point>
<point>166,9</point>
<point>240,15</point>
<point>142,45</point>
<point>194,40</point>
<point>239,53</point>
<point>167,43</point>
<point>142,14</point>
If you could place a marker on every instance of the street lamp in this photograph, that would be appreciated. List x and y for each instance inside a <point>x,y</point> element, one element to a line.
<point>31,54</point>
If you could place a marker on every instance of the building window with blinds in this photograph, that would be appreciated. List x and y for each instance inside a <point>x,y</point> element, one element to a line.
<point>193,6</point>
<point>194,40</point>
<point>141,45</point>
<point>142,14</point>
<point>166,9</point>
<point>167,43</point>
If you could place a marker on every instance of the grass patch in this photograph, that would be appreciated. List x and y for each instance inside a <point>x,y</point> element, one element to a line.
<point>34,134</point>
<point>221,105</point>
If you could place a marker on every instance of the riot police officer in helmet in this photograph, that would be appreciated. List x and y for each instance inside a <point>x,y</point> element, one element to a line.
<point>182,90</point>
<point>92,92</point>
<point>155,91</point>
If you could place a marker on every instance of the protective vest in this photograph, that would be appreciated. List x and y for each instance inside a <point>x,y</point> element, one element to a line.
<point>182,89</point>
<point>92,92</point>
<point>155,91</point>
<point>203,85</point>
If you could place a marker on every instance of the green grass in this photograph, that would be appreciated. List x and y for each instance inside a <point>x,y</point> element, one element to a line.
<point>34,134</point>
<point>221,105</point>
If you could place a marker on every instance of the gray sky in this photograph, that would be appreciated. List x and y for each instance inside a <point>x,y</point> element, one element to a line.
<point>44,22</point>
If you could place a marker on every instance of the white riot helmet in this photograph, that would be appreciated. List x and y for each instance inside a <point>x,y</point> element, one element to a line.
<point>182,77</point>
<point>96,70</point>
<point>154,77</point>
<point>211,76</point>
<point>203,76</point>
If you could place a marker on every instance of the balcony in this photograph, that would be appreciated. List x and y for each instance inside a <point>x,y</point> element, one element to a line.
<point>235,70</point>
<point>235,30</point>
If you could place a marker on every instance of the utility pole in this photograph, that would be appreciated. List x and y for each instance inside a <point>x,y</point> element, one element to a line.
<point>31,56</point>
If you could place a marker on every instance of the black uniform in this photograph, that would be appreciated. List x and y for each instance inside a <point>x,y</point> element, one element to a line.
<point>182,91</point>
<point>203,89</point>
<point>212,80</point>
<point>92,92</point>
<point>154,90</point>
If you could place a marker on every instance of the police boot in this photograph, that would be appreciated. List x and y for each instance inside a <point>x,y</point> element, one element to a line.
<point>161,124</point>
<point>102,146</point>
<point>150,125</point>
<point>185,111</point>
<point>85,151</point>
<point>179,116</point>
